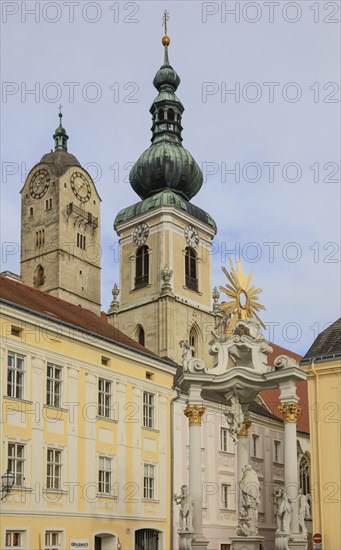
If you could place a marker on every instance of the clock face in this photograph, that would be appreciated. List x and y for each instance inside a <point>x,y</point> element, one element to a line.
<point>191,235</point>
<point>39,183</point>
<point>140,234</point>
<point>80,186</point>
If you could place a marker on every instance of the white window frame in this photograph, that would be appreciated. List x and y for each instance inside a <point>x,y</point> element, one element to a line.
<point>13,460</point>
<point>56,386</point>
<point>104,397</point>
<point>149,409</point>
<point>225,496</point>
<point>16,384</point>
<point>54,466</point>
<point>255,445</point>
<point>49,545</point>
<point>277,451</point>
<point>105,475</point>
<point>149,481</point>
<point>224,440</point>
<point>10,533</point>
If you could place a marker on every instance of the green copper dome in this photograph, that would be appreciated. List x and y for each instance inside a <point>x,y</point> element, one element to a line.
<point>164,198</point>
<point>166,164</point>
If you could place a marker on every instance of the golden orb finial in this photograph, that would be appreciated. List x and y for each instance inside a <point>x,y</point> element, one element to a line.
<point>166,40</point>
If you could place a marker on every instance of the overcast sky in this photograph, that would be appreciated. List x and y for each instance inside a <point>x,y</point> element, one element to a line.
<point>279,130</point>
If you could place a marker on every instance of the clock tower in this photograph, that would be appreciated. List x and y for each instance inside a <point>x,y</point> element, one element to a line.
<point>165,239</point>
<point>60,234</point>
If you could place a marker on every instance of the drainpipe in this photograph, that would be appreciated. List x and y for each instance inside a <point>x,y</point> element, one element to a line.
<point>178,395</point>
<point>317,397</point>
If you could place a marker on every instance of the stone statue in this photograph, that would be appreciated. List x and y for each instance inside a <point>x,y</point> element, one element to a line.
<point>249,486</point>
<point>186,509</point>
<point>186,353</point>
<point>304,511</point>
<point>114,306</point>
<point>166,274</point>
<point>235,418</point>
<point>283,512</point>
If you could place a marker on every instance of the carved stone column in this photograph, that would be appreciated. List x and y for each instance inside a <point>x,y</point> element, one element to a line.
<point>243,450</point>
<point>291,411</point>
<point>194,414</point>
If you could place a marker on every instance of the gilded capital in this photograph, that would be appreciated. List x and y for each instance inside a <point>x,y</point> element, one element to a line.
<point>244,432</point>
<point>290,411</point>
<point>194,413</point>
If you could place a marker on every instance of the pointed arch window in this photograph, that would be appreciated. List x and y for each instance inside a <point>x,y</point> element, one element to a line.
<point>142,267</point>
<point>191,275</point>
<point>141,336</point>
<point>193,342</point>
<point>39,276</point>
<point>305,475</point>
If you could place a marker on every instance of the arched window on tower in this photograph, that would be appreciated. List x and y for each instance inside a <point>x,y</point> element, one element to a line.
<point>170,114</point>
<point>191,276</point>
<point>142,267</point>
<point>305,475</point>
<point>39,276</point>
<point>193,342</point>
<point>161,114</point>
<point>140,335</point>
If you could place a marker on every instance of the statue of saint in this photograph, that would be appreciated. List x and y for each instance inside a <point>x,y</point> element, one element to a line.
<point>186,509</point>
<point>283,512</point>
<point>249,486</point>
<point>304,511</point>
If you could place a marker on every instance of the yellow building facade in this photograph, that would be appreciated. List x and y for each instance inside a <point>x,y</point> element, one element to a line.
<point>323,366</point>
<point>85,429</point>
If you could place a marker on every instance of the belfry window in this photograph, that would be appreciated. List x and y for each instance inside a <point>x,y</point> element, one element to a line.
<point>39,277</point>
<point>142,267</point>
<point>140,336</point>
<point>161,114</point>
<point>191,269</point>
<point>170,114</point>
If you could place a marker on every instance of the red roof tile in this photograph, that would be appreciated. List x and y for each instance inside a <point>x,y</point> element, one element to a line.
<point>57,309</point>
<point>271,397</point>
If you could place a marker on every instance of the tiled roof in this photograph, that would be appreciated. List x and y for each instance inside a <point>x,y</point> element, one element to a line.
<point>271,397</point>
<point>327,344</point>
<point>61,311</point>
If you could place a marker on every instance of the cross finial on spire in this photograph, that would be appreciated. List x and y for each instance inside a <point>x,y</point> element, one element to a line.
<point>60,109</point>
<point>165,20</point>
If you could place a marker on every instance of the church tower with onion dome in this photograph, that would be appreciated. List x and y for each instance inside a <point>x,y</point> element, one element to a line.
<point>165,239</point>
<point>60,239</point>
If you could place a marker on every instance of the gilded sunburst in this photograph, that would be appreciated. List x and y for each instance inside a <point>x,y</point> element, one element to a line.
<point>244,296</point>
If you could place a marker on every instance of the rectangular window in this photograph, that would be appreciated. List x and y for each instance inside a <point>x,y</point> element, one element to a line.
<point>53,540</point>
<point>15,375</point>
<point>104,397</point>
<point>104,475</point>
<point>277,451</point>
<point>148,409</point>
<point>54,385</point>
<point>14,539</point>
<point>224,496</point>
<point>255,451</point>
<point>16,462</point>
<point>224,439</point>
<point>148,481</point>
<point>54,469</point>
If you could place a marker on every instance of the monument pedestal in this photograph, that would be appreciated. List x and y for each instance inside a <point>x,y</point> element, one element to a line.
<point>185,540</point>
<point>298,542</point>
<point>247,543</point>
<point>199,543</point>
